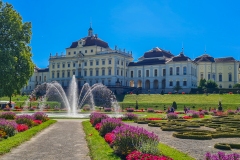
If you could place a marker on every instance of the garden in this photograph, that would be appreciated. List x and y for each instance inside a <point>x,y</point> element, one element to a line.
<point>131,137</point>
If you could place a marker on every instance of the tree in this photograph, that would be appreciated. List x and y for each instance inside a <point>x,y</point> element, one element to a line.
<point>177,88</point>
<point>174,105</point>
<point>211,84</point>
<point>202,83</point>
<point>16,66</point>
<point>237,85</point>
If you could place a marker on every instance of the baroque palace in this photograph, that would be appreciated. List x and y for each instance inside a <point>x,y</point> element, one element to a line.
<point>92,61</point>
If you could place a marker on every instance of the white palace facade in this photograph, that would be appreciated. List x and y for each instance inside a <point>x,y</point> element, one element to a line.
<point>92,61</point>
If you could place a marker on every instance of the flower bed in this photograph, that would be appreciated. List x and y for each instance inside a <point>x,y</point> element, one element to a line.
<point>127,140</point>
<point>10,124</point>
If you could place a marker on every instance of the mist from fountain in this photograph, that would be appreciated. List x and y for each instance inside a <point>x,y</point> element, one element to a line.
<point>72,101</point>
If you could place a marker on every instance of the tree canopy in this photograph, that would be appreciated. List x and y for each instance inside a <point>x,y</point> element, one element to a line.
<point>203,84</point>
<point>237,85</point>
<point>16,66</point>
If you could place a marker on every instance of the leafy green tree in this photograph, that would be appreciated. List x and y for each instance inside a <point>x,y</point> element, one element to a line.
<point>237,85</point>
<point>211,84</point>
<point>16,66</point>
<point>174,105</point>
<point>177,88</point>
<point>202,83</point>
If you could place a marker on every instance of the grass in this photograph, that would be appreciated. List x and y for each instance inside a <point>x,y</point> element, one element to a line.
<point>173,153</point>
<point>7,144</point>
<point>229,101</point>
<point>99,149</point>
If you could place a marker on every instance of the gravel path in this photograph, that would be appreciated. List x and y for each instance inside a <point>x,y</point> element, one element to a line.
<point>64,140</point>
<point>195,148</point>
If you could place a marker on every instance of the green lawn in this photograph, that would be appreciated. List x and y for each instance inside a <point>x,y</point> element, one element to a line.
<point>157,101</point>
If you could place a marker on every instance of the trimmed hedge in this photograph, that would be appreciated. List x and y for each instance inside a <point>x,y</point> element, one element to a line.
<point>227,146</point>
<point>193,135</point>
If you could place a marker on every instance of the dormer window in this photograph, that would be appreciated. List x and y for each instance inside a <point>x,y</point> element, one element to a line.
<point>80,42</point>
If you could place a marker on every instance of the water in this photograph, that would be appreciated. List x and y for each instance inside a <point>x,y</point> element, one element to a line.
<point>89,96</point>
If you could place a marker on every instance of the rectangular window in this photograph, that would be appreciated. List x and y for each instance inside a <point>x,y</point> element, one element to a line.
<point>97,63</point>
<point>85,73</point>
<point>230,77</point>
<point>185,70</point>
<point>209,76</point>
<point>69,53</point>
<point>131,74</point>
<point>184,83</point>
<point>63,65</point>
<point>68,74</point>
<point>109,72</point>
<point>122,63</point>
<point>121,72</point>
<point>73,72</point>
<point>58,66</point>
<point>91,63</point>
<point>171,83</point>
<point>63,74</point>
<point>58,75</point>
<point>147,73</point>
<point>126,74</point>
<point>118,62</point>
<point>91,50</point>
<point>90,72</point>
<point>213,76</point>
<point>201,76</point>
<point>177,70</point>
<point>68,65</point>
<point>74,52</point>
<point>53,66</point>
<point>103,62</point>
<point>164,72</point>
<point>85,51</point>
<point>117,72</point>
<point>178,83</point>
<point>171,71</point>
<point>103,72</point>
<point>139,73</point>
<point>109,61</point>
<point>52,74</point>
<point>85,63</point>
<point>73,64</point>
<point>220,77</point>
<point>97,72</point>
<point>155,73</point>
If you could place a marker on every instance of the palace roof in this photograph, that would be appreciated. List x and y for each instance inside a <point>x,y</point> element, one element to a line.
<point>225,59</point>
<point>91,41</point>
<point>204,58</point>
<point>157,52</point>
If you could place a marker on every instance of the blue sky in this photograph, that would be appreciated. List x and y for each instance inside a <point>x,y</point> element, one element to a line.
<point>136,25</point>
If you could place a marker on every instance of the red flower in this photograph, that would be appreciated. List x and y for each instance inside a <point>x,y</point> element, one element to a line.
<point>22,127</point>
<point>109,137</point>
<point>37,121</point>
<point>136,155</point>
<point>153,119</point>
<point>98,126</point>
<point>187,117</point>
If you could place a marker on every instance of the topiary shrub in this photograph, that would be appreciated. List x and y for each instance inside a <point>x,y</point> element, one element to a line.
<point>174,105</point>
<point>193,135</point>
<point>154,125</point>
<point>223,146</point>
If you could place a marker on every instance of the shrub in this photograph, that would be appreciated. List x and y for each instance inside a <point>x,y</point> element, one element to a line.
<point>128,137</point>
<point>108,125</point>
<point>98,126</point>
<point>130,109</point>
<point>97,118</point>
<point>172,116</point>
<point>230,112</point>
<point>22,127</point>
<point>3,134</point>
<point>40,116</point>
<point>8,115</point>
<point>193,135</point>
<point>148,147</point>
<point>150,110</point>
<point>137,155</point>
<point>86,108</point>
<point>130,116</point>
<point>25,119</point>
<point>174,105</point>
<point>9,127</point>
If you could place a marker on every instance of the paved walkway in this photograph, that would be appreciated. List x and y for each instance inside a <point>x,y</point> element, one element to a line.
<point>64,140</point>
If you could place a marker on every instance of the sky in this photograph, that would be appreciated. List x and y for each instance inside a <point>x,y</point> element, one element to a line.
<point>199,26</point>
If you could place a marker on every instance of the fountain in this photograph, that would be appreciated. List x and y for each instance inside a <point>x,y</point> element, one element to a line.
<point>73,101</point>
